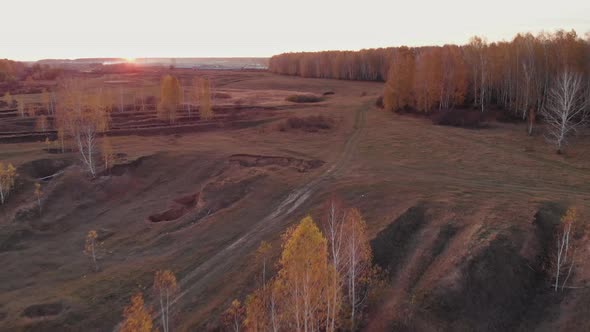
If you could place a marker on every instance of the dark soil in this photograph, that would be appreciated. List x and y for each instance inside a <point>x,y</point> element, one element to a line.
<point>392,245</point>
<point>43,310</point>
<point>301,165</point>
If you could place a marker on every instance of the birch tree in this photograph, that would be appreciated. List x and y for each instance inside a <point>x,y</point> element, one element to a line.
<point>38,193</point>
<point>165,286</point>
<point>565,253</point>
<point>107,153</point>
<point>333,224</point>
<point>170,98</point>
<point>136,317</point>
<point>90,247</point>
<point>205,104</point>
<point>20,104</point>
<point>303,278</point>
<point>263,255</point>
<point>234,316</point>
<point>358,267</point>
<point>566,108</point>
<point>7,180</point>
<point>8,99</point>
<point>82,115</point>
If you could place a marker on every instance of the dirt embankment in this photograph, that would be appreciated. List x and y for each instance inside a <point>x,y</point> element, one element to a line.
<point>230,185</point>
<point>441,279</point>
<point>300,165</point>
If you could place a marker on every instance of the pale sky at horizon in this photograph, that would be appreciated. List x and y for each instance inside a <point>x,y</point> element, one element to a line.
<point>33,30</point>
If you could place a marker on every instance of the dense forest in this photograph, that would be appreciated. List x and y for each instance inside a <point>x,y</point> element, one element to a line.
<point>514,75</point>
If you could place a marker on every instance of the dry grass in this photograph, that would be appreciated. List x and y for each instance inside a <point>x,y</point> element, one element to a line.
<point>483,182</point>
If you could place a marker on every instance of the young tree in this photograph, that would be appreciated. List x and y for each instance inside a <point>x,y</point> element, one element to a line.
<point>90,247</point>
<point>60,122</point>
<point>46,100</point>
<point>303,278</point>
<point>8,99</point>
<point>38,194</point>
<point>20,103</point>
<point>262,255</point>
<point>565,109</point>
<point>564,256</point>
<point>108,155</point>
<point>121,102</point>
<point>41,123</point>
<point>165,286</point>
<point>333,225</point>
<point>233,317</point>
<point>170,98</point>
<point>82,116</point>
<point>7,179</point>
<point>136,317</point>
<point>479,48</point>
<point>358,268</point>
<point>531,118</point>
<point>256,312</point>
<point>205,106</point>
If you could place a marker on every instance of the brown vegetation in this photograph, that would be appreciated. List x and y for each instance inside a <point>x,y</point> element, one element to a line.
<point>311,123</point>
<point>304,99</point>
<point>475,226</point>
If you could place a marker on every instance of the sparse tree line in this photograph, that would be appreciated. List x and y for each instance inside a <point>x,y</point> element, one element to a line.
<point>137,316</point>
<point>80,113</point>
<point>546,74</point>
<point>322,280</point>
<point>515,75</point>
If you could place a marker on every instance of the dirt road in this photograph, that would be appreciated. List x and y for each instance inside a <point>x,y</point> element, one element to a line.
<point>199,278</point>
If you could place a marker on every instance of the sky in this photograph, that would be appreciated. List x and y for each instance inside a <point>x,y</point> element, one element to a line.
<point>40,29</point>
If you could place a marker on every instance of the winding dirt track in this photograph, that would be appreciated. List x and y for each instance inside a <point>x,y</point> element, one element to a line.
<point>202,276</point>
<point>199,278</point>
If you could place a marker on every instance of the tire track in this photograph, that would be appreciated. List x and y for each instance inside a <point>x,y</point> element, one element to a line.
<point>295,199</point>
<point>199,278</point>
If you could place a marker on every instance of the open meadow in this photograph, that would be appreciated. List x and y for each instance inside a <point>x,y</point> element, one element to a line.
<point>459,220</point>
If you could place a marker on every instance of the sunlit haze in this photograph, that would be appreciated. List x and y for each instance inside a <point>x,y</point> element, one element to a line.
<point>35,30</point>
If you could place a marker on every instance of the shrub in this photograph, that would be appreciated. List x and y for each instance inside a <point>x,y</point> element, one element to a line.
<point>312,123</point>
<point>460,118</point>
<point>304,98</point>
<point>379,102</point>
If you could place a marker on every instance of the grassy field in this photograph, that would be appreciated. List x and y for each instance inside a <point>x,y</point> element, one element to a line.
<point>459,207</point>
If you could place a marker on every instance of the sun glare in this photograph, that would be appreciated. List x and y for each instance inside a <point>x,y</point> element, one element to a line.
<point>130,60</point>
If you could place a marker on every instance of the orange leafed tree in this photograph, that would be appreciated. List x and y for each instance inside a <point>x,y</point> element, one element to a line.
<point>205,104</point>
<point>333,225</point>
<point>170,98</point>
<point>7,180</point>
<point>90,247</point>
<point>165,286</point>
<point>38,193</point>
<point>82,115</point>
<point>428,79</point>
<point>263,255</point>
<point>317,277</point>
<point>564,260</point>
<point>233,317</point>
<point>136,317</point>
<point>400,81</point>
<point>358,268</point>
<point>107,152</point>
<point>304,277</point>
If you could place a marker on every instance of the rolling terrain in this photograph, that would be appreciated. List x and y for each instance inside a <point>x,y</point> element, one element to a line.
<point>461,220</point>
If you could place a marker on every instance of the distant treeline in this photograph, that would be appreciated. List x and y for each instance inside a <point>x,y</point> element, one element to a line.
<point>515,74</point>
